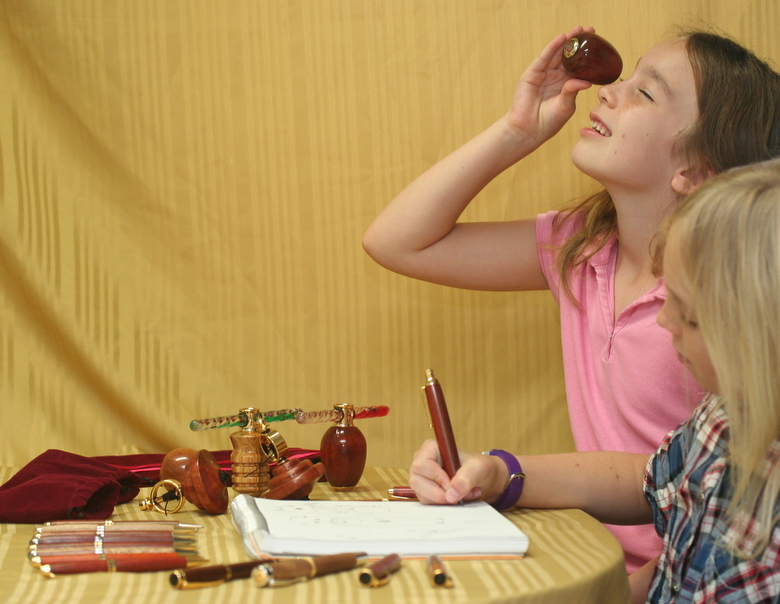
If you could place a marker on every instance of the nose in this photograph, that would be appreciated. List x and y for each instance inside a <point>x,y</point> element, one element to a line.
<point>607,94</point>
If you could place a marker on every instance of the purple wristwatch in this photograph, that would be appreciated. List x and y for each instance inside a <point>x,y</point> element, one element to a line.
<point>516,480</point>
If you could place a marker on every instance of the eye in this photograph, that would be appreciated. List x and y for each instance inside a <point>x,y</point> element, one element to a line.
<point>646,94</point>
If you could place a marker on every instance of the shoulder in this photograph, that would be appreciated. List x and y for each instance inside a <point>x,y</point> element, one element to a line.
<point>703,436</point>
<point>690,456</point>
<point>553,228</point>
<point>552,231</point>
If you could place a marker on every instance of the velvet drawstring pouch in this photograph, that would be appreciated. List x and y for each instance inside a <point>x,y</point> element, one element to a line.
<point>58,485</point>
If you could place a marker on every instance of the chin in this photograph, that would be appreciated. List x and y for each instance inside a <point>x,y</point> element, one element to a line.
<point>580,157</point>
<point>577,156</point>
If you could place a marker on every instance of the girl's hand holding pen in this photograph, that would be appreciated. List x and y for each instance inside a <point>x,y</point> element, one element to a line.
<point>480,477</point>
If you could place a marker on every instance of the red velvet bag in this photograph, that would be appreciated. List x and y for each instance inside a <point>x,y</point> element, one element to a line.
<point>58,485</point>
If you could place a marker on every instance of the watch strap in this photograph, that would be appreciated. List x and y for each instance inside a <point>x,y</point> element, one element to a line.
<point>514,489</point>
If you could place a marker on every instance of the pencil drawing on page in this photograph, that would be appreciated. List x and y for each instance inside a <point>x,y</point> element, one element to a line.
<point>375,527</point>
<point>380,521</point>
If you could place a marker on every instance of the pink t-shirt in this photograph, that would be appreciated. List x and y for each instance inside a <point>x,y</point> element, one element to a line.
<point>625,386</point>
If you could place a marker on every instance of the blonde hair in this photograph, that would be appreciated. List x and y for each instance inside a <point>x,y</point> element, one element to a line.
<point>738,124</point>
<point>728,234</point>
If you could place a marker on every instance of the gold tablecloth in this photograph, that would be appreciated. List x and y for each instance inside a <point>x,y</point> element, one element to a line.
<point>571,559</point>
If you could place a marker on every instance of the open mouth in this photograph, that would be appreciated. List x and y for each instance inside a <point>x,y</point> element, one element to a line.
<point>600,128</point>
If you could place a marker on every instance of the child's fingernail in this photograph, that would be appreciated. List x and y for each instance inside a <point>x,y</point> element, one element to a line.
<point>452,496</point>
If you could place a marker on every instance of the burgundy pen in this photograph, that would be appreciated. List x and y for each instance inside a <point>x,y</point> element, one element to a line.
<point>440,419</point>
<point>402,493</point>
<point>209,576</point>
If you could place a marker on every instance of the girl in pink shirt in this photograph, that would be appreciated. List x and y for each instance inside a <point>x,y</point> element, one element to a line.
<point>695,105</point>
<point>712,488</point>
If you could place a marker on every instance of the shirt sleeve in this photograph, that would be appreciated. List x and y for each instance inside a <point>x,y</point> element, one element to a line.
<point>665,471</point>
<point>547,247</point>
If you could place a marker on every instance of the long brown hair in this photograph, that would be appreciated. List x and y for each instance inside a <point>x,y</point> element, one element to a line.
<point>738,124</point>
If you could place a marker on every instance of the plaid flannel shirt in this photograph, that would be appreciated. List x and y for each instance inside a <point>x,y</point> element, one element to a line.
<point>687,484</point>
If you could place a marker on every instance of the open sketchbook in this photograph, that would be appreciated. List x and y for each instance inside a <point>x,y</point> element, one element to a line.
<point>376,527</point>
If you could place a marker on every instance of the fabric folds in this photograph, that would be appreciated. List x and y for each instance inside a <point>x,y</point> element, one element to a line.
<point>58,485</point>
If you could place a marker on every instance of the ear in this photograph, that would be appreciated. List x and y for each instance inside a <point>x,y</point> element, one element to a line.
<point>686,180</point>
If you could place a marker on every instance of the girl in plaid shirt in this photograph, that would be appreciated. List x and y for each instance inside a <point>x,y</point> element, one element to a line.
<point>712,489</point>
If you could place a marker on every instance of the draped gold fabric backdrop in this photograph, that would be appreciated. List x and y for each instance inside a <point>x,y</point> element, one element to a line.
<point>183,189</point>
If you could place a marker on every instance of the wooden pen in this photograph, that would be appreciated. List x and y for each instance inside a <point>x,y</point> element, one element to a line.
<point>69,526</point>
<point>402,493</point>
<point>169,538</point>
<point>51,566</point>
<point>378,573</point>
<point>217,574</point>
<point>437,573</point>
<point>442,427</point>
<point>286,572</point>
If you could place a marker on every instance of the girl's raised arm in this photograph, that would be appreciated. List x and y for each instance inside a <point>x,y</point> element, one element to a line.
<point>417,234</point>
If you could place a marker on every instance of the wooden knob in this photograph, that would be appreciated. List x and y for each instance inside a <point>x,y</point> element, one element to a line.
<point>202,484</point>
<point>175,464</point>
<point>293,479</point>
<point>199,475</point>
<point>590,57</point>
<point>196,477</point>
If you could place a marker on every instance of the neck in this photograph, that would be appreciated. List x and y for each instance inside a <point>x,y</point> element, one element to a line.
<point>638,222</point>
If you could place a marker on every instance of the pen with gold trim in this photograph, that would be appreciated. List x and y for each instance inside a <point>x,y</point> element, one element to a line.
<point>402,493</point>
<point>437,573</point>
<point>209,576</point>
<point>440,421</point>
<point>279,573</point>
<point>378,573</point>
<point>51,566</point>
<point>114,525</point>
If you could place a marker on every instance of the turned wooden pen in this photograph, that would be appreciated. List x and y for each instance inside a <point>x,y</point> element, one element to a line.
<point>378,573</point>
<point>69,526</point>
<point>286,572</point>
<point>437,573</point>
<point>120,537</point>
<point>108,549</point>
<point>402,493</point>
<point>442,427</point>
<point>51,566</point>
<point>217,574</point>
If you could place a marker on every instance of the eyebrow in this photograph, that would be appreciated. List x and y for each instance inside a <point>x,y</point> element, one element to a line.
<point>683,306</point>
<point>655,75</point>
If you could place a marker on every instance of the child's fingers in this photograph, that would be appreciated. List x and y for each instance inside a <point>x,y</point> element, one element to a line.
<point>426,476</point>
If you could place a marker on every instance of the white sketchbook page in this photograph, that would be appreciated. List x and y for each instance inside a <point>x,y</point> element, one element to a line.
<point>388,526</point>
